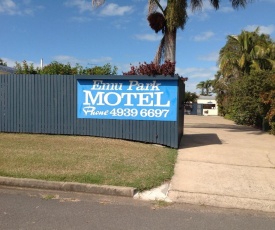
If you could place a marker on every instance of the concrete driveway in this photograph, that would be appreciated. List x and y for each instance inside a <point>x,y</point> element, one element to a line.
<point>225,165</point>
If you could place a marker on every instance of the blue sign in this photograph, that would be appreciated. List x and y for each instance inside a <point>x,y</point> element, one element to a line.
<point>127,99</point>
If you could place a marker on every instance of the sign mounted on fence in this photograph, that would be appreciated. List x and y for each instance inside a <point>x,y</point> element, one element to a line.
<point>127,99</point>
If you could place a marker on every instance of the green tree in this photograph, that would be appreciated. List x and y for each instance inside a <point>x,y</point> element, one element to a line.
<point>25,68</point>
<point>208,87</point>
<point>205,87</point>
<point>106,69</point>
<point>246,106</point>
<point>169,18</point>
<point>268,98</point>
<point>220,88</point>
<point>190,97</point>
<point>201,86</point>
<point>246,63</point>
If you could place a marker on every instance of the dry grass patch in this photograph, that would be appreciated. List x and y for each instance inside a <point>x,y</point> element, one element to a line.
<point>85,160</point>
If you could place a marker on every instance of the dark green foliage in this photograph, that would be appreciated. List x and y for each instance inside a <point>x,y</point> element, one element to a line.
<point>243,102</point>
<point>3,63</point>
<point>57,68</point>
<point>190,97</point>
<point>205,87</point>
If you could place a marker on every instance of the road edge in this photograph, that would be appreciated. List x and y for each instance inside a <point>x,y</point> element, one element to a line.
<point>69,186</point>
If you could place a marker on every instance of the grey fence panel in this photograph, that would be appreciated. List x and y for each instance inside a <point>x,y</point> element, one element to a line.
<point>3,101</point>
<point>48,104</point>
<point>199,109</point>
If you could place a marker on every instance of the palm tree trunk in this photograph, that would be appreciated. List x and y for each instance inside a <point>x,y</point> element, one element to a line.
<point>170,45</point>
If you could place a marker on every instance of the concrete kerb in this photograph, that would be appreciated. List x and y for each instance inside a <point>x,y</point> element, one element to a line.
<point>69,186</point>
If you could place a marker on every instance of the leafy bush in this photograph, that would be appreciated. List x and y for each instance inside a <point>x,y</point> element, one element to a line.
<point>244,103</point>
<point>272,125</point>
<point>268,98</point>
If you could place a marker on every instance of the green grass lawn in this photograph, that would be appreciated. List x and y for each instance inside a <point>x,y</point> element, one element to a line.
<point>85,160</point>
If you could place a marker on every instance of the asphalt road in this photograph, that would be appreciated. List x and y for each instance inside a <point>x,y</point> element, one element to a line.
<point>42,209</point>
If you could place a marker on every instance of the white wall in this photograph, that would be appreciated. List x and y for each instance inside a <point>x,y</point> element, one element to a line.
<point>209,112</point>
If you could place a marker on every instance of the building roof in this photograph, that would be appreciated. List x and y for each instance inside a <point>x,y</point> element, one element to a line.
<point>6,69</point>
<point>207,97</point>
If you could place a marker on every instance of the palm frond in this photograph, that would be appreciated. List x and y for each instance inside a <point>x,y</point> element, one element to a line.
<point>153,5</point>
<point>196,4</point>
<point>215,3</point>
<point>176,15</point>
<point>160,52</point>
<point>238,3</point>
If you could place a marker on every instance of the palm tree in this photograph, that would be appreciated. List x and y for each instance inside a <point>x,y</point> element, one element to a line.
<point>169,19</point>
<point>247,51</point>
<point>201,86</point>
<point>208,87</point>
<point>205,87</point>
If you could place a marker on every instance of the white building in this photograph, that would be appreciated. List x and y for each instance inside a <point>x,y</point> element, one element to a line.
<point>209,105</point>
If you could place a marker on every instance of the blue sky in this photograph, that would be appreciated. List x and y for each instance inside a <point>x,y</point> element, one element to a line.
<point>118,33</point>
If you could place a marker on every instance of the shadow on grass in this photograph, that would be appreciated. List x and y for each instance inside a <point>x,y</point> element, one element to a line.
<point>197,140</point>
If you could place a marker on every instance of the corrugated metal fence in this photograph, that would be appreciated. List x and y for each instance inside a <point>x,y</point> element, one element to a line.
<point>47,104</point>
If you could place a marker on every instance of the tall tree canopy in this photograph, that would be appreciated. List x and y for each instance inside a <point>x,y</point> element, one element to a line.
<point>245,82</point>
<point>245,52</point>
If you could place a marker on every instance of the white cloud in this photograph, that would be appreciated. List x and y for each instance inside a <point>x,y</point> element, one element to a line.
<point>10,62</point>
<point>203,36</point>
<point>9,7</point>
<point>110,9</point>
<point>84,62</point>
<point>148,37</point>
<point>115,10</point>
<point>64,59</point>
<point>195,72</point>
<point>195,75</point>
<point>263,29</point>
